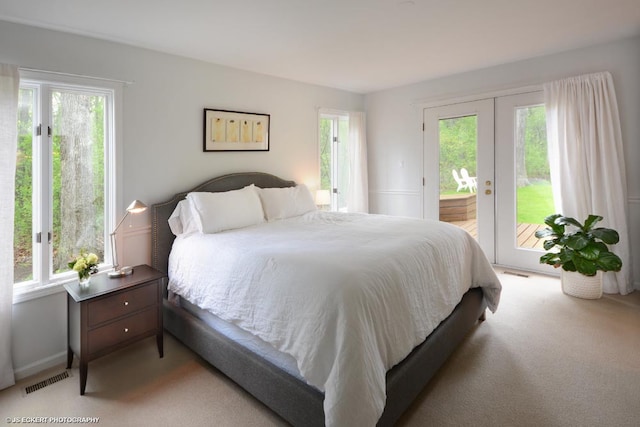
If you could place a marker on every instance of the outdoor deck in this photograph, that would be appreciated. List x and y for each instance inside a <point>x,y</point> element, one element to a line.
<point>526,233</point>
<point>457,207</point>
<point>460,209</point>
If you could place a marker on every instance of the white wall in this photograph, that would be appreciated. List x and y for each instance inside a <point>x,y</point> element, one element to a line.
<point>162,134</point>
<point>395,122</point>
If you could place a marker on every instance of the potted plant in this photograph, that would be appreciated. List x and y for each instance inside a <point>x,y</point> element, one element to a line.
<point>582,252</point>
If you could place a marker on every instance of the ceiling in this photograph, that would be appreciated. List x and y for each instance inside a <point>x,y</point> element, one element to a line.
<point>357,45</point>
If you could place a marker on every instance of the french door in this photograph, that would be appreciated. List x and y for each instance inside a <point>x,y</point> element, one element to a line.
<point>486,170</point>
<point>524,196</point>
<point>458,168</point>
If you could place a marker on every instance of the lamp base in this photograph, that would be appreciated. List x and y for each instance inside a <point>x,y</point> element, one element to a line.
<point>121,272</point>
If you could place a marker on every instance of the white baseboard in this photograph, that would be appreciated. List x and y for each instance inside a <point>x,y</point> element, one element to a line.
<point>40,365</point>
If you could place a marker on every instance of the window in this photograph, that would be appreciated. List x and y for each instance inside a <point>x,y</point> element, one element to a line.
<point>64,178</point>
<point>334,160</point>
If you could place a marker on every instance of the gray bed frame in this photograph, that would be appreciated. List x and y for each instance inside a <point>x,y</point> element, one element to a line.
<point>294,400</point>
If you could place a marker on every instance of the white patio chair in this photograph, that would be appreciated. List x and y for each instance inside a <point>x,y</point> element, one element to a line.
<point>462,185</point>
<point>470,181</point>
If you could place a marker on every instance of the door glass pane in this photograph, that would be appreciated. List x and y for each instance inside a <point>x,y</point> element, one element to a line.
<point>23,218</point>
<point>534,198</point>
<point>78,175</point>
<point>325,153</point>
<point>458,141</point>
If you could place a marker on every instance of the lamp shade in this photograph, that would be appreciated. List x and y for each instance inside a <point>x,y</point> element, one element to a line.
<point>136,207</point>
<point>323,197</point>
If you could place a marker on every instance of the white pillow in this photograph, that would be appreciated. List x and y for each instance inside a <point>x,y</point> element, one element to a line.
<point>216,212</point>
<point>281,203</point>
<point>182,220</point>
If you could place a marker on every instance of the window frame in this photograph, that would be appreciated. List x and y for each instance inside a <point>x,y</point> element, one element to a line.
<point>46,282</point>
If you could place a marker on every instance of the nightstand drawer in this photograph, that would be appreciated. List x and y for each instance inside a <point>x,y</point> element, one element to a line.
<point>121,304</point>
<point>122,330</point>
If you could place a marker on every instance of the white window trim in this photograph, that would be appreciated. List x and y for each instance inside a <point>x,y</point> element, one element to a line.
<point>114,162</point>
<point>421,104</point>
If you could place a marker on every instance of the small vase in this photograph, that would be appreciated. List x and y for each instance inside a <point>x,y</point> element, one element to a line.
<point>84,281</point>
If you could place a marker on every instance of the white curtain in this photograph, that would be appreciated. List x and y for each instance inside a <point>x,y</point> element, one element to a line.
<point>9,87</point>
<point>358,193</point>
<point>587,160</point>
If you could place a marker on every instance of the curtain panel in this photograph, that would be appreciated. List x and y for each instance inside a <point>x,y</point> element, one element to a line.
<point>358,193</point>
<point>586,159</point>
<point>9,89</point>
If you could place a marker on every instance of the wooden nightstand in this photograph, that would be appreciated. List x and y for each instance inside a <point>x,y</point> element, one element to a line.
<point>113,313</point>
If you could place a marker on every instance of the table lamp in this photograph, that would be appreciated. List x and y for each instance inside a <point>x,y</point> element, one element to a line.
<point>135,207</point>
<point>323,198</point>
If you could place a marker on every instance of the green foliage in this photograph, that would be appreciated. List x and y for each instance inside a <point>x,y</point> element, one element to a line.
<point>458,141</point>
<point>98,158</point>
<point>23,231</point>
<point>534,202</point>
<point>579,247</point>
<point>457,149</point>
<point>325,154</point>
<point>537,163</point>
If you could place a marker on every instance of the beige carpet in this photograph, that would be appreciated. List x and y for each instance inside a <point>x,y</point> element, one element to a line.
<point>544,359</point>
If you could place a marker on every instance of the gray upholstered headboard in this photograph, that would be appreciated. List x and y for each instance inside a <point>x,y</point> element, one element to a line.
<point>161,235</point>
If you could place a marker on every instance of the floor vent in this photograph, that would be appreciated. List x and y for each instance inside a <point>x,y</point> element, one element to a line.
<point>513,273</point>
<point>48,381</point>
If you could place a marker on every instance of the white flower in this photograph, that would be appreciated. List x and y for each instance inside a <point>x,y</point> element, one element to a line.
<point>92,259</point>
<point>85,264</point>
<point>80,264</point>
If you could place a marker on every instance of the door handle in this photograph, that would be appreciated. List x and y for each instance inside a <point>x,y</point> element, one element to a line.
<point>487,192</point>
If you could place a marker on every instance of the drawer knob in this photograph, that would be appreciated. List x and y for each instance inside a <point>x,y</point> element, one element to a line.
<point>126,303</point>
<point>126,330</point>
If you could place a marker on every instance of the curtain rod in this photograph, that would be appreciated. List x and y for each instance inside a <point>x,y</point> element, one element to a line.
<point>60,73</point>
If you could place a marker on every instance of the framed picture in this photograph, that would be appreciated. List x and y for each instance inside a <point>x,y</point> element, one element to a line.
<point>235,131</point>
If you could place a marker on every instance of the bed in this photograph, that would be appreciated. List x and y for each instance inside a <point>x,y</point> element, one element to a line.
<point>291,385</point>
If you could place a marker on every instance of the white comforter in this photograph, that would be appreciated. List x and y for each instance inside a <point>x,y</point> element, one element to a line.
<point>347,295</point>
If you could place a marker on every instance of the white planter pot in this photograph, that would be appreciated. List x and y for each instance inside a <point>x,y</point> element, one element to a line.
<point>581,286</point>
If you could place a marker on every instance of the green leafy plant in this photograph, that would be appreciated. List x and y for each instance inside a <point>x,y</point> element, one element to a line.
<point>579,247</point>
<point>86,264</point>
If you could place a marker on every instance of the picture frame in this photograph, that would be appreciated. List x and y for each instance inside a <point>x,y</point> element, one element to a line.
<point>226,130</point>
